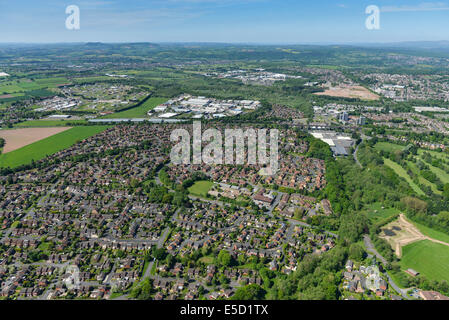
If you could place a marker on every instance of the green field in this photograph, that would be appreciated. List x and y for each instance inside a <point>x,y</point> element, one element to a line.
<point>433,153</point>
<point>201,188</point>
<point>403,174</point>
<point>30,85</point>
<point>388,146</point>
<point>376,213</point>
<point>434,234</point>
<point>138,112</point>
<point>429,258</point>
<point>48,146</point>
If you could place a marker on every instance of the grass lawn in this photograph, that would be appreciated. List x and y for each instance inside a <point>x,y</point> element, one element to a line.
<point>48,146</point>
<point>429,258</point>
<point>434,234</point>
<point>421,179</point>
<point>402,173</point>
<point>201,188</point>
<point>138,112</point>
<point>145,267</point>
<point>388,146</point>
<point>15,224</point>
<point>153,268</point>
<point>207,259</point>
<point>44,247</point>
<point>441,155</point>
<point>381,214</point>
<point>443,175</point>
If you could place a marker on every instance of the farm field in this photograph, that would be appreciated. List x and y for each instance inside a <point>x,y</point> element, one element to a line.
<point>403,174</point>
<point>429,258</point>
<point>138,112</point>
<point>40,149</point>
<point>18,138</point>
<point>30,85</point>
<point>201,188</point>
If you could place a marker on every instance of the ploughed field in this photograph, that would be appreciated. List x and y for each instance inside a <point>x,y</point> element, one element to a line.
<point>18,138</point>
<point>48,146</point>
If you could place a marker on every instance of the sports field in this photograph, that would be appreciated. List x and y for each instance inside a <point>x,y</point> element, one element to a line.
<point>201,188</point>
<point>388,146</point>
<point>48,146</point>
<point>429,258</point>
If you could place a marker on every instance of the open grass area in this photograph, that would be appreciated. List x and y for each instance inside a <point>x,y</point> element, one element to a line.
<point>44,247</point>
<point>403,174</point>
<point>436,154</point>
<point>48,146</point>
<point>207,259</point>
<point>201,188</point>
<point>388,146</point>
<point>376,212</point>
<point>432,233</point>
<point>429,258</point>
<point>138,112</point>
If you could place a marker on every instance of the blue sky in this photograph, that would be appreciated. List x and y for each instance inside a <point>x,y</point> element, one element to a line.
<point>240,21</point>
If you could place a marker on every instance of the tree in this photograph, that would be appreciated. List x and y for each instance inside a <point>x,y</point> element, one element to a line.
<point>160,254</point>
<point>224,258</point>
<point>249,292</point>
<point>446,191</point>
<point>356,252</point>
<point>352,227</point>
<point>143,291</point>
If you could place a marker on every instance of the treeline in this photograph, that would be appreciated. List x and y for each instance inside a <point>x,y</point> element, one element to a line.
<point>316,278</point>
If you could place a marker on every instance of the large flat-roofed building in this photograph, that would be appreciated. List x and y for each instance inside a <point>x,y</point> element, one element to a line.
<point>340,144</point>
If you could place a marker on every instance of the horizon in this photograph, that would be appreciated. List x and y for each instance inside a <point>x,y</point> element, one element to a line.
<point>234,43</point>
<point>227,21</point>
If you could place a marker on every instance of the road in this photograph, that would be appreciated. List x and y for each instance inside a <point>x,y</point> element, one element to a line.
<point>355,156</point>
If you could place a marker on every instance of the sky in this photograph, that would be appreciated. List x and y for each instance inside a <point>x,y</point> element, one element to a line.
<point>227,21</point>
